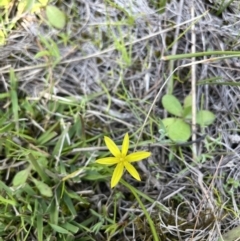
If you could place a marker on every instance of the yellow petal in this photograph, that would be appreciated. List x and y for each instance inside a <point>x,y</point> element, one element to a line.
<point>108,161</point>
<point>131,169</point>
<point>137,156</point>
<point>112,146</point>
<point>117,174</point>
<point>125,145</point>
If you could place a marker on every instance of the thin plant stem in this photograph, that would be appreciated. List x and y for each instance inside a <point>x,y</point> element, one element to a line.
<point>150,221</point>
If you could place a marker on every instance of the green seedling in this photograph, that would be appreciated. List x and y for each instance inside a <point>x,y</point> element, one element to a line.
<point>177,128</point>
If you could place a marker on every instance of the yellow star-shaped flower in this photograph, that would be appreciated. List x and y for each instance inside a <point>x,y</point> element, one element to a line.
<point>122,159</point>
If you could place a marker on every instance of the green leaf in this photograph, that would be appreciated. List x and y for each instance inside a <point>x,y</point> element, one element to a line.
<point>187,112</point>
<point>177,129</point>
<point>168,122</point>
<point>48,134</point>
<point>43,188</point>
<point>111,228</point>
<point>70,227</point>
<point>29,190</point>
<point>73,174</point>
<point>92,175</point>
<point>6,128</point>
<point>187,101</point>
<point>55,17</point>
<point>39,169</point>
<point>60,144</point>
<point>59,229</point>
<point>21,177</point>
<point>7,201</point>
<point>69,204</point>
<point>14,98</point>
<point>40,227</point>
<point>205,118</point>
<point>231,235</point>
<point>54,211</point>
<point>172,105</point>
<point>42,54</point>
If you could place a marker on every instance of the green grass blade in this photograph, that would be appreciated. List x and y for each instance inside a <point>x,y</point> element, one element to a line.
<point>40,227</point>
<point>228,54</point>
<point>150,221</point>
<point>14,98</point>
<point>38,168</point>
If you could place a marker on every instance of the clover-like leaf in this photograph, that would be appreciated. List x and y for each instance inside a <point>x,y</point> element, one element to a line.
<point>177,129</point>
<point>168,122</point>
<point>205,118</point>
<point>172,105</point>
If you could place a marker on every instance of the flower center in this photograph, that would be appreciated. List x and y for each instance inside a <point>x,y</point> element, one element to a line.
<point>121,159</point>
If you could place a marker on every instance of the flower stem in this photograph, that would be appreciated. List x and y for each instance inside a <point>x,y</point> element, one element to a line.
<point>150,221</point>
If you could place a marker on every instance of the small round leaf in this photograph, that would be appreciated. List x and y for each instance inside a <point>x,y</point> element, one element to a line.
<point>177,129</point>
<point>55,17</point>
<point>168,122</point>
<point>172,105</point>
<point>205,118</point>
